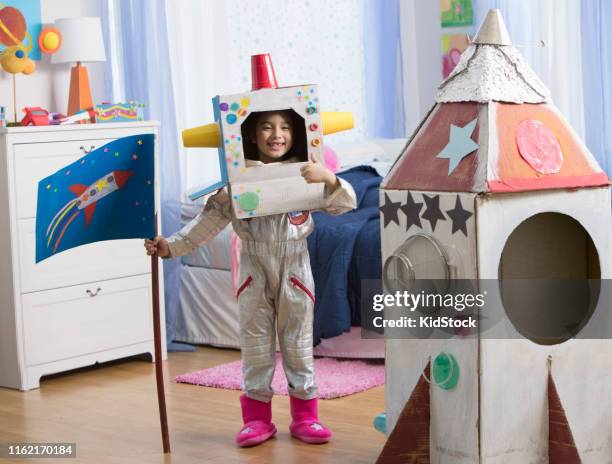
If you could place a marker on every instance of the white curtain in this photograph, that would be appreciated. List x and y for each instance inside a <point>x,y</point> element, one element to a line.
<point>558,63</point>
<point>313,41</point>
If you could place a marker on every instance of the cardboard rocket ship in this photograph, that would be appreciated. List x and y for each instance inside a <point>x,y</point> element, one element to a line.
<point>494,184</point>
<point>278,188</point>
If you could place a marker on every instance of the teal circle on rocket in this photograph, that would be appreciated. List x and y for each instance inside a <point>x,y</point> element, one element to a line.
<point>248,201</point>
<point>446,371</point>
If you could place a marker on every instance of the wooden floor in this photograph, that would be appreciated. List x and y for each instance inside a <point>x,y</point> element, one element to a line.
<point>111,413</point>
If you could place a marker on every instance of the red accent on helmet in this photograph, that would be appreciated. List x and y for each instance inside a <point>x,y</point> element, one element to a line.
<point>262,72</point>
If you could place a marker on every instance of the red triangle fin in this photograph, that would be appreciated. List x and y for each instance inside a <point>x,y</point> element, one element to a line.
<point>77,189</point>
<point>409,440</point>
<point>89,211</point>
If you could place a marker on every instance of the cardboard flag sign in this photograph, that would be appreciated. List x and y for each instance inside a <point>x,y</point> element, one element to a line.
<point>108,194</point>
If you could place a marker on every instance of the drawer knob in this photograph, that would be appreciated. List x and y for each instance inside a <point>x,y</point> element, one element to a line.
<point>92,294</point>
<point>86,151</point>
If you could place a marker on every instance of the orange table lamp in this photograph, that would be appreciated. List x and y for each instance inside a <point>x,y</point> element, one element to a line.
<point>81,42</point>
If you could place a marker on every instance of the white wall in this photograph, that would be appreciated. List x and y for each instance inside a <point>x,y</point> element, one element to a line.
<point>48,85</point>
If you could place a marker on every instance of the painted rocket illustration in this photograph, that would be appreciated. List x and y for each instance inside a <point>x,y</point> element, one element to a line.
<point>88,196</point>
<point>87,199</point>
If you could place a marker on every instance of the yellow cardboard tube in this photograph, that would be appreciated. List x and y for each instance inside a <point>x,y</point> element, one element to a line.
<point>336,121</point>
<point>208,135</point>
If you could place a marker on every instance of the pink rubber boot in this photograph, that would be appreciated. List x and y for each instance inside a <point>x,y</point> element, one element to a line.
<point>258,426</point>
<point>305,424</point>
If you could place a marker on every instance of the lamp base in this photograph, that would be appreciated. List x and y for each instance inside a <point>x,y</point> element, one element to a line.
<point>80,92</point>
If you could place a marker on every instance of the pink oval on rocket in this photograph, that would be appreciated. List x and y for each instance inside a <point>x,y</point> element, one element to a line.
<point>539,146</point>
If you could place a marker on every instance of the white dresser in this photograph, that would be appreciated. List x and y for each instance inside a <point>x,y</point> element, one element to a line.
<point>85,305</point>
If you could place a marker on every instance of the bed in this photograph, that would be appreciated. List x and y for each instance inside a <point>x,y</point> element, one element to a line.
<point>343,250</point>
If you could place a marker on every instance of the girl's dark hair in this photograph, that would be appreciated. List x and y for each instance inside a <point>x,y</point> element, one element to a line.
<point>298,149</point>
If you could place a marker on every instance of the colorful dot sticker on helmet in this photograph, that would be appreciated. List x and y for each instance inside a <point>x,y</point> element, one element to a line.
<point>231,118</point>
<point>248,201</point>
<point>245,102</point>
<point>223,106</point>
<point>539,146</point>
<point>234,106</point>
<point>311,110</point>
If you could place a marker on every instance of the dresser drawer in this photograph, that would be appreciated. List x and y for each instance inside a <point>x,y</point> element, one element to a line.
<point>87,263</point>
<point>35,161</point>
<point>86,319</point>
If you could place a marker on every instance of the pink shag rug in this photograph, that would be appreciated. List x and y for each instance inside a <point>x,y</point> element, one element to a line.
<point>334,377</point>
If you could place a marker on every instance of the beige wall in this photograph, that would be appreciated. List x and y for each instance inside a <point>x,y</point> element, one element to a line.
<point>48,85</point>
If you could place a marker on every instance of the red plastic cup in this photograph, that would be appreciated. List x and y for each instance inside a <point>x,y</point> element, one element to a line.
<point>262,72</point>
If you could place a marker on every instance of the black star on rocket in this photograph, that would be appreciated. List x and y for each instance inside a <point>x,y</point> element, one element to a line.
<point>412,210</point>
<point>433,213</point>
<point>389,211</point>
<point>459,217</point>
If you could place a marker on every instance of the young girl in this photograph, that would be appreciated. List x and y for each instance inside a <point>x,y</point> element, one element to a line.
<point>277,286</point>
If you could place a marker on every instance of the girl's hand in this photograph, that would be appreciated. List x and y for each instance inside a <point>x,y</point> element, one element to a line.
<point>315,172</point>
<point>159,245</point>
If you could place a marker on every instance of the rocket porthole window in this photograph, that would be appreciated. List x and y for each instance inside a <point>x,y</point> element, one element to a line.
<point>549,278</point>
<point>419,257</point>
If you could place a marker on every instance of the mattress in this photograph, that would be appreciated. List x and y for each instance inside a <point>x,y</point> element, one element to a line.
<point>208,312</point>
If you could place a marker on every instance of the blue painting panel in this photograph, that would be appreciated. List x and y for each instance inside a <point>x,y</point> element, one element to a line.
<point>108,194</point>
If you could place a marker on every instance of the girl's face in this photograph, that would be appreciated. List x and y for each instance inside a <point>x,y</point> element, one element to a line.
<point>273,136</point>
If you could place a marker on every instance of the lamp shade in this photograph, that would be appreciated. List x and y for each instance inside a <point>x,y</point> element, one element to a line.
<point>81,40</point>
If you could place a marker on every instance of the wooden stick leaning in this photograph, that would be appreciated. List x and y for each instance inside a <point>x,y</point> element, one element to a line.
<point>14,98</point>
<point>159,373</point>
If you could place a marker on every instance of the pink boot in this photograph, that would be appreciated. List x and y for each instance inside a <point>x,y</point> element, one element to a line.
<point>258,426</point>
<point>305,424</point>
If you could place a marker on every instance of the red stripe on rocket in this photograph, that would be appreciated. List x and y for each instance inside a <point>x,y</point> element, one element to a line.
<point>89,195</point>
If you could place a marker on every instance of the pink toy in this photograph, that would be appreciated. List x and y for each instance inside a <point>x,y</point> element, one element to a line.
<point>331,159</point>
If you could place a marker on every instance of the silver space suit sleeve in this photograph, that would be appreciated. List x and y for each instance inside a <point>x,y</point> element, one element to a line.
<point>341,200</point>
<point>215,216</point>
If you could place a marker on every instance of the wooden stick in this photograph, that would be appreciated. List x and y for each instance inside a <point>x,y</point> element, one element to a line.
<point>14,98</point>
<point>159,373</point>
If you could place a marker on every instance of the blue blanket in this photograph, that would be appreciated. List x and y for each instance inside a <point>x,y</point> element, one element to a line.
<point>343,250</point>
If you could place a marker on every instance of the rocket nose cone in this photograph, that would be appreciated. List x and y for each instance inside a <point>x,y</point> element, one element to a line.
<point>121,177</point>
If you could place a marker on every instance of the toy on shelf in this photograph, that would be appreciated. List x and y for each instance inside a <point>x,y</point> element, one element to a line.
<point>81,116</point>
<point>14,57</point>
<point>265,190</point>
<point>35,116</point>
<point>119,112</point>
<point>55,118</point>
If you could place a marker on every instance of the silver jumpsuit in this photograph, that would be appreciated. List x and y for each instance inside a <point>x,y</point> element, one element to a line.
<point>276,287</point>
